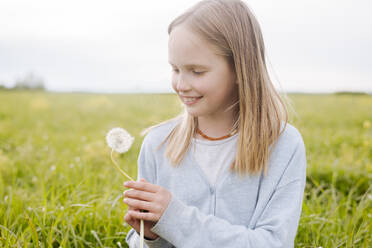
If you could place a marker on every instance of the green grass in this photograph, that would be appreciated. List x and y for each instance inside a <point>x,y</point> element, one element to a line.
<point>58,186</point>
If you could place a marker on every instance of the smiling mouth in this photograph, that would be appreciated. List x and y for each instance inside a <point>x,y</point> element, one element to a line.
<point>190,100</point>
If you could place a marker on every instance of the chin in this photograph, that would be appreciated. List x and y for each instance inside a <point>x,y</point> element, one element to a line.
<point>192,113</point>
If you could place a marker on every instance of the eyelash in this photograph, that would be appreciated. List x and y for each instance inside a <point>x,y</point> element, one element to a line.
<point>195,72</point>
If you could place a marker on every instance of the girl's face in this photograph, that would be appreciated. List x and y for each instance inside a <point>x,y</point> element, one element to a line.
<point>199,73</point>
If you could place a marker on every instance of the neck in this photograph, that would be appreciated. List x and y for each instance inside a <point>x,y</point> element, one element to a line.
<point>217,126</point>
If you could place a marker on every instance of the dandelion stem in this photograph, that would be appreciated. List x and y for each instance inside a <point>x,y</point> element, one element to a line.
<point>141,233</point>
<point>117,166</point>
<point>125,174</point>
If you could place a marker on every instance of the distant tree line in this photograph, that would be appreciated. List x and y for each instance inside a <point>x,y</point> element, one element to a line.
<point>350,93</point>
<point>28,82</point>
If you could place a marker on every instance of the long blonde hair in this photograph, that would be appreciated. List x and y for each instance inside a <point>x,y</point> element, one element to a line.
<point>231,27</point>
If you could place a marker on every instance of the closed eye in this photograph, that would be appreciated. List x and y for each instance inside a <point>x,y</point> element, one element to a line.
<point>195,72</point>
<point>198,72</point>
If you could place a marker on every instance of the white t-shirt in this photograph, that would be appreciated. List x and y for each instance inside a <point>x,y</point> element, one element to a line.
<point>214,156</point>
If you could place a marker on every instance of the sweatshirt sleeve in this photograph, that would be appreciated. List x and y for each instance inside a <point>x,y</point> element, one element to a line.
<point>186,226</point>
<point>146,169</point>
<point>133,241</point>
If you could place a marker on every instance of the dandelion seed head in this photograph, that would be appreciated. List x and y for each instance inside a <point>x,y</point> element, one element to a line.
<point>119,139</point>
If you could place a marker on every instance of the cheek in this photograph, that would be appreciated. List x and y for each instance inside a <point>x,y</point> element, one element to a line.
<point>208,86</point>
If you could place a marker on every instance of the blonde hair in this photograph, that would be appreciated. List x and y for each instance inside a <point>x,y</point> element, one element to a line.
<point>231,28</point>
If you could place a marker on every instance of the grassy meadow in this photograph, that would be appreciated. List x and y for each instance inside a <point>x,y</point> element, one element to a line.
<point>59,188</point>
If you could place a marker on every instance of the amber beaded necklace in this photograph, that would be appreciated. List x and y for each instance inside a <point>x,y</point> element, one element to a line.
<point>219,138</point>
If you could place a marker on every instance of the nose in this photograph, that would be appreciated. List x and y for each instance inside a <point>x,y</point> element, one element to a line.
<point>181,84</point>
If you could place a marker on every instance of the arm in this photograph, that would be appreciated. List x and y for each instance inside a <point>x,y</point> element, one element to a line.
<point>186,226</point>
<point>146,169</point>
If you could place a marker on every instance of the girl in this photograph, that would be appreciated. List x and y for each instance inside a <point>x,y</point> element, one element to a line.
<point>228,171</point>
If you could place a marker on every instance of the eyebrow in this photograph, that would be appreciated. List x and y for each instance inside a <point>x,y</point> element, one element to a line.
<point>192,65</point>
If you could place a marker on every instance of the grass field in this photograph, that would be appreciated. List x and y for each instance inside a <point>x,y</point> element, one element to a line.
<point>59,188</point>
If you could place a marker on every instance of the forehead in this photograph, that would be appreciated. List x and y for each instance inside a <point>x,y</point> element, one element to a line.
<point>186,49</point>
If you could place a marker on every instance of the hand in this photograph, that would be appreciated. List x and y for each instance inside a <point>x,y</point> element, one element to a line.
<point>146,196</point>
<point>135,223</point>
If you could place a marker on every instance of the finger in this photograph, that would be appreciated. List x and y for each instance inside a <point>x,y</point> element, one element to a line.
<point>134,209</point>
<point>138,204</point>
<point>140,195</point>
<point>131,221</point>
<point>141,180</point>
<point>144,186</point>
<point>127,217</point>
<point>144,216</point>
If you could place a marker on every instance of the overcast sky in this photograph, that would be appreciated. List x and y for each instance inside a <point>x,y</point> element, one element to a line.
<point>122,46</point>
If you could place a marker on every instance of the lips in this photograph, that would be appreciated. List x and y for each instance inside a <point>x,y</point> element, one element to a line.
<point>191,100</point>
<point>190,96</point>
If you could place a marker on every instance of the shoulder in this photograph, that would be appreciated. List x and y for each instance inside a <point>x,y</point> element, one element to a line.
<point>289,140</point>
<point>290,134</point>
<point>158,133</point>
